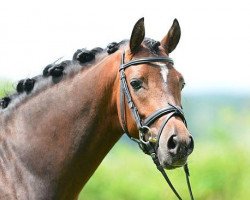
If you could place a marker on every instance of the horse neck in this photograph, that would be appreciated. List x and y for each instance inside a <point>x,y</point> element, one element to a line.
<point>67,129</point>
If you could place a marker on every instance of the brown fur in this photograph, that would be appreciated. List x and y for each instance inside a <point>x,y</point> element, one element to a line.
<point>51,143</point>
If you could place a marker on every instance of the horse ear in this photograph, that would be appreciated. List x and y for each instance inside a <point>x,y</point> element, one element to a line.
<point>137,36</point>
<point>170,41</point>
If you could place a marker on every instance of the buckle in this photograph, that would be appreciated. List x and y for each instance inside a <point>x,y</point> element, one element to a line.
<point>146,130</point>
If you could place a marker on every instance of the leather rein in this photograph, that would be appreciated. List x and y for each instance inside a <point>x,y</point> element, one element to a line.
<point>151,145</point>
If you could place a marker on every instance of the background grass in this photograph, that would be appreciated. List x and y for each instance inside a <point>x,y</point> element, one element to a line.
<point>5,87</point>
<point>218,171</point>
<point>219,165</point>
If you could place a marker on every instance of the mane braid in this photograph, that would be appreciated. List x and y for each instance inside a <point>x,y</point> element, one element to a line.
<point>81,59</point>
<point>152,45</point>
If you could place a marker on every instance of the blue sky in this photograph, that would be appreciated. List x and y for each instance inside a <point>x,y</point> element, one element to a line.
<point>213,53</point>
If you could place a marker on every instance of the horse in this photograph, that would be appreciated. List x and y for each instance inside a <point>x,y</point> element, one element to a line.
<point>56,129</point>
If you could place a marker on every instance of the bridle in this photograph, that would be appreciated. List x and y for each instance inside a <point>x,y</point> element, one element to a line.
<point>149,147</point>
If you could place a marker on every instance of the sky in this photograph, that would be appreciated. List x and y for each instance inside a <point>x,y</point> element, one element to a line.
<point>213,52</point>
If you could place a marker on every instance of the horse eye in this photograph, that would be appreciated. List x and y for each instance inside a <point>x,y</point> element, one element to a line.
<point>136,84</point>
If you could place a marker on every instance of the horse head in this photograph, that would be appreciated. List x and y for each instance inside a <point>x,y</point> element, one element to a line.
<point>154,86</point>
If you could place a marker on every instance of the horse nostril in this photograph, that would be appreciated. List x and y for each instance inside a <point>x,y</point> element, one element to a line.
<point>172,142</point>
<point>180,146</point>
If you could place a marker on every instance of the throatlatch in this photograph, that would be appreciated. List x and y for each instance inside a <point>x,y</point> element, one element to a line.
<point>149,147</point>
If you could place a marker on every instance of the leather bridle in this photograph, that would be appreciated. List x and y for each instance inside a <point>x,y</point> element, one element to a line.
<point>151,145</point>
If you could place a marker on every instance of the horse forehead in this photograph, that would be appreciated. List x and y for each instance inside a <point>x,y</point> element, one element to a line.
<point>163,70</point>
<point>156,71</point>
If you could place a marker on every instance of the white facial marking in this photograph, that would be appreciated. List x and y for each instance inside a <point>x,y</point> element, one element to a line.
<point>164,71</point>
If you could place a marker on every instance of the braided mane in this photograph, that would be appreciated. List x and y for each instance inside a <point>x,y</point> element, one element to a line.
<point>56,71</point>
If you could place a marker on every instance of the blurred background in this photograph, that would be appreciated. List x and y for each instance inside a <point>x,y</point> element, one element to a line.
<point>213,56</point>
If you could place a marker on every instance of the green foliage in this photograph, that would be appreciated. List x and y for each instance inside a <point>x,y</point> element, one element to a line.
<point>5,88</point>
<point>219,165</point>
<point>218,171</point>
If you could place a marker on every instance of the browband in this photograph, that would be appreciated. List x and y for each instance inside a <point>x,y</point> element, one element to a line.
<point>145,60</point>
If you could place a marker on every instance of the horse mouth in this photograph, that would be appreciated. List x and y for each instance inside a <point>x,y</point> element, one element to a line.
<point>174,164</point>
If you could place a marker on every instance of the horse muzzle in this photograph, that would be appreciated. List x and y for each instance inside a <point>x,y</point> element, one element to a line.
<point>175,151</point>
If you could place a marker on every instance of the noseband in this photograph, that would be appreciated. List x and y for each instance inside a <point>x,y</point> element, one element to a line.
<point>149,147</point>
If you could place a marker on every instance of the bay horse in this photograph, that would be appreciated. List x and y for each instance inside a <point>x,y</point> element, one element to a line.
<point>57,127</point>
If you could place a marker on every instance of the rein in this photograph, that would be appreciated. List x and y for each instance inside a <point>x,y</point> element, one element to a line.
<point>149,147</point>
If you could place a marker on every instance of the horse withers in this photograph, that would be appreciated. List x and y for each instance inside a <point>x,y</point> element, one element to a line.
<point>57,128</point>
